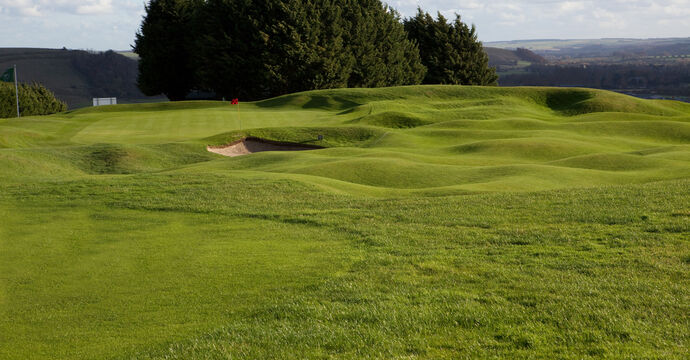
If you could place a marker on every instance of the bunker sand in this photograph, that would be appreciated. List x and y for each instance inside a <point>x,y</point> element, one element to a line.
<point>252,145</point>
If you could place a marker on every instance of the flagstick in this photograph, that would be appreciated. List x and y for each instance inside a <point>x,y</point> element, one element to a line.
<point>238,115</point>
<point>16,88</point>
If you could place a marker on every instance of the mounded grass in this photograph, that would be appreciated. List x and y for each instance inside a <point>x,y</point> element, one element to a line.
<point>438,222</point>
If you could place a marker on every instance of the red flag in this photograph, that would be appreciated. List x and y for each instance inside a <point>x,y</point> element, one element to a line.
<point>235,101</point>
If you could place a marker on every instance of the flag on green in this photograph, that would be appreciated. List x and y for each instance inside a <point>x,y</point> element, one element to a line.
<point>8,75</point>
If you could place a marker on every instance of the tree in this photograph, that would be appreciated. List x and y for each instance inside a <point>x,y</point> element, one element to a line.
<point>528,55</point>
<point>34,99</point>
<point>315,54</point>
<point>450,51</point>
<point>256,50</point>
<point>263,49</point>
<point>231,48</point>
<point>166,47</point>
<point>383,54</point>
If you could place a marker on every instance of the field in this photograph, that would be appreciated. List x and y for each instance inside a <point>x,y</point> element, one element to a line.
<point>438,222</point>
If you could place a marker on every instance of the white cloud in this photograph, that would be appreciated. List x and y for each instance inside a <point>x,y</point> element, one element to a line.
<point>535,19</point>
<point>30,11</point>
<point>76,24</point>
<point>572,6</point>
<point>57,23</point>
<point>21,7</point>
<point>96,7</point>
<point>53,7</point>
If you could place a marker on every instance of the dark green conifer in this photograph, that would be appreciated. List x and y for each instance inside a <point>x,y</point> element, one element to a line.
<point>166,45</point>
<point>377,40</point>
<point>34,99</point>
<point>450,51</point>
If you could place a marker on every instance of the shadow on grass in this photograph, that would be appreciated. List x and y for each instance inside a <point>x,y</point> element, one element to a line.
<point>309,102</point>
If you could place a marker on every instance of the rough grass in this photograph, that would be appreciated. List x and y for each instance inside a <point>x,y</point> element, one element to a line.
<point>439,222</point>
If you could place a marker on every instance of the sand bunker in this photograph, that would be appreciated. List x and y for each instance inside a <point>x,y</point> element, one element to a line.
<point>251,145</point>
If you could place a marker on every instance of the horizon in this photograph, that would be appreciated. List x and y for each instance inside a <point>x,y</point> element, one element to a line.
<point>483,42</point>
<point>102,25</point>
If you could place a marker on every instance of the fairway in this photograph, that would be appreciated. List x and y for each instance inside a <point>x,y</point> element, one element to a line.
<point>435,222</point>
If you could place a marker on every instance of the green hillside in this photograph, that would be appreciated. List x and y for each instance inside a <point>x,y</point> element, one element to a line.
<point>503,57</point>
<point>437,222</point>
<point>76,76</point>
<point>578,48</point>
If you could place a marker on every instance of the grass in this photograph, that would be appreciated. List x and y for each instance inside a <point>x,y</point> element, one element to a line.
<point>439,222</point>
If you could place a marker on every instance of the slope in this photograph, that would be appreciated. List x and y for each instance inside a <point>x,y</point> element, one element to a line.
<point>76,76</point>
<point>439,139</point>
<point>438,222</point>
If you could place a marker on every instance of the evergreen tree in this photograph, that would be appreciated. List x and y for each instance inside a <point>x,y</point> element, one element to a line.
<point>450,51</point>
<point>378,43</point>
<point>261,49</point>
<point>258,49</point>
<point>166,47</point>
<point>264,49</point>
<point>232,49</point>
<point>311,52</point>
<point>34,99</point>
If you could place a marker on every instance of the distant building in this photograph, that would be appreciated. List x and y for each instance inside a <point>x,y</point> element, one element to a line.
<point>104,101</point>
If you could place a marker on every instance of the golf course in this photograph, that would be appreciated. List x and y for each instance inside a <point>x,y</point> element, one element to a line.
<point>415,222</point>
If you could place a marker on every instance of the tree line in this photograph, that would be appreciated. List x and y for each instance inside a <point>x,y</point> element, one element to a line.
<point>108,73</point>
<point>259,49</point>
<point>34,99</point>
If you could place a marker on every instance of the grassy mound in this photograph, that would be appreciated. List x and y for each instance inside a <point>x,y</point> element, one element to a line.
<point>98,159</point>
<point>419,137</point>
<point>331,136</point>
<point>436,222</point>
<point>393,119</point>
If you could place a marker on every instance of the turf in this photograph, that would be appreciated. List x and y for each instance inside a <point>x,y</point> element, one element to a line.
<point>438,222</point>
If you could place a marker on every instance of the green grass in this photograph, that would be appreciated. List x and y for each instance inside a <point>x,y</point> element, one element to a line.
<point>438,222</point>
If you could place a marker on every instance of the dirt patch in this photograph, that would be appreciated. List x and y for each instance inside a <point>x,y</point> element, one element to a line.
<point>252,145</point>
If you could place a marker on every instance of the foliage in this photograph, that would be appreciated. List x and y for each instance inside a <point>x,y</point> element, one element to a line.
<point>258,50</point>
<point>34,99</point>
<point>450,51</point>
<point>76,76</point>
<point>528,55</point>
<point>165,45</point>
<point>503,57</point>
<point>382,53</point>
<point>108,73</point>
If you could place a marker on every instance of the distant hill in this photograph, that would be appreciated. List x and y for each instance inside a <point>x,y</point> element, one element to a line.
<point>554,49</point>
<point>508,57</point>
<point>77,76</point>
<point>647,68</point>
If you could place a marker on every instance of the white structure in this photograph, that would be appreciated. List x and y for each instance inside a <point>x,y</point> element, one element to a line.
<point>104,101</point>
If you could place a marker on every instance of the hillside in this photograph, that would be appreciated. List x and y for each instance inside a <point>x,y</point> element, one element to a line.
<point>76,76</point>
<point>601,48</point>
<point>456,139</point>
<point>505,57</point>
<point>436,222</point>
<point>646,68</point>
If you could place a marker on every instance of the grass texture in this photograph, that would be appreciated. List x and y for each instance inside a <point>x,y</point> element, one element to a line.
<point>438,222</point>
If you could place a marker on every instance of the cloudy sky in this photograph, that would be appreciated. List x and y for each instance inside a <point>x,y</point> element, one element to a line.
<point>111,24</point>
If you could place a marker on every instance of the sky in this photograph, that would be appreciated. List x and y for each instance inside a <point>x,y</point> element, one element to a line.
<point>111,24</point>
